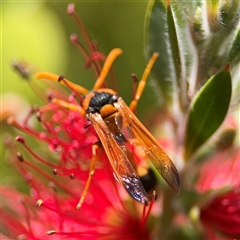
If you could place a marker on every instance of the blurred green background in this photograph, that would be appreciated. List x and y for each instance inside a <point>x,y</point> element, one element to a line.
<point>38,33</point>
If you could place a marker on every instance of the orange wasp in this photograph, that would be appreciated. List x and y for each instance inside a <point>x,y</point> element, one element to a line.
<point>116,125</point>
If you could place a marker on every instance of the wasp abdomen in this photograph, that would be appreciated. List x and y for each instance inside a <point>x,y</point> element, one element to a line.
<point>149,180</point>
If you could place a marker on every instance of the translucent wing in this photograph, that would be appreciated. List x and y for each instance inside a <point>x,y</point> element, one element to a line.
<point>122,167</point>
<point>150,145</point>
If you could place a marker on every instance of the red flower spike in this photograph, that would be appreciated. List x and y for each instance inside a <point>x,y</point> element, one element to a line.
<point>65,134</point>
<point>222,213</point>
<point>145,214</point>
<point>93,57</point>
<point>222,170</point>
<point>20,139</point>
<point>90,52</point>
<point>71,9</point>
<point>74,38</point>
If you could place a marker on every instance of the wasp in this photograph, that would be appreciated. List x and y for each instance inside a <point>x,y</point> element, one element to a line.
<point>116,126</point>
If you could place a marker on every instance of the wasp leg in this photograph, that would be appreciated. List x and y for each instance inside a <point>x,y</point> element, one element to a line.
<point>91,173</point>
<point>142,82</point>
<point>70,106</point>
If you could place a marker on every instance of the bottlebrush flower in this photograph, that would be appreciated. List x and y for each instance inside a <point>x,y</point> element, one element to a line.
<point>222,215</point>
<point>219,179</point>
<point>57,180</point>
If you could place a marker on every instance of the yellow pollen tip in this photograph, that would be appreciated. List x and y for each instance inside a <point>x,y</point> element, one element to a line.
<point>47,75</point>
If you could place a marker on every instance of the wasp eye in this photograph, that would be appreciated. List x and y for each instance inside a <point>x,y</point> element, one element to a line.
<point>114,98</point>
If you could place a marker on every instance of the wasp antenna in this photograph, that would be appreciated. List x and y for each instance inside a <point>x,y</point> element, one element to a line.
<point>90,176</point>
<point>56,78</point>
<point>106,67</point>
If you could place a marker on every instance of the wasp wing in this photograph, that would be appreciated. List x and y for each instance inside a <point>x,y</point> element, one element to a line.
<point>122,167</point>
<point>150,145</point>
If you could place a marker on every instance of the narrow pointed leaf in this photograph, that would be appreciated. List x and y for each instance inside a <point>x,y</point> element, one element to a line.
<point>189,8</point>
<point>213,14</point>
<point>176,56</point>
<point>218,23</point>
<point>174,47</point>
<point>156,39</point>
<point>162,35</point>
<point>234,54</point>
<point>207,111</point>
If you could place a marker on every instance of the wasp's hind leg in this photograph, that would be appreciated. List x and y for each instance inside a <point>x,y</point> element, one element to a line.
<point>95,147</point>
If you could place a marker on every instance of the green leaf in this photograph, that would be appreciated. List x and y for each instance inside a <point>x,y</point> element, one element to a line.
<point>218,21</point>
<point>234,54</point>
<point>156,40</point>
<point>173,42</point>
<point>163,35</point>
<point>213,15</point>
<point>207,111</point>
<point>176,56</point>
<point>189,8</point>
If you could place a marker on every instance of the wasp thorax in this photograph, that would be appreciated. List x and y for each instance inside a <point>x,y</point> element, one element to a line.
<point>101,102</point>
